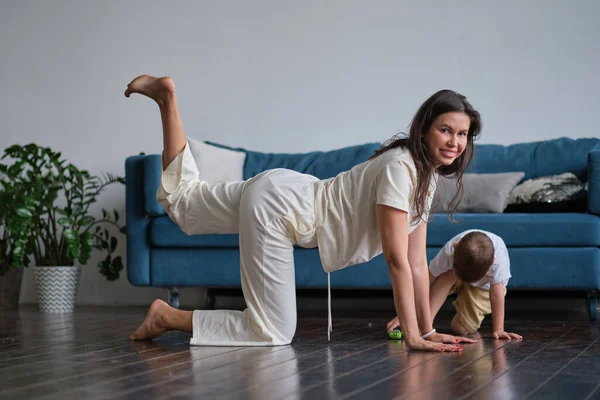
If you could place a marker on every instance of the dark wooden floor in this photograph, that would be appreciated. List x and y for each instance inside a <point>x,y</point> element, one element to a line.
<point>87,356</point>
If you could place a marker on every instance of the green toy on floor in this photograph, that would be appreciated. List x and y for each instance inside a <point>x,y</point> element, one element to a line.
<point>395,334</point>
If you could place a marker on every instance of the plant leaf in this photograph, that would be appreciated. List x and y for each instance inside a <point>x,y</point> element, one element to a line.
<point>66,222</point>
<point>24,212</point>
<point>74,249</point>
<point>85,221</point>
<point>70,235</point>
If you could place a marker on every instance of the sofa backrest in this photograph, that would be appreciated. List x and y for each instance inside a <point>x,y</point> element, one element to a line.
<point>548,157</point>
<point>541,158</point>
<point>322,164</point>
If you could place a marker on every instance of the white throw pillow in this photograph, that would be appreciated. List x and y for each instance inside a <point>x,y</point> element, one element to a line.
<point>217,164</point>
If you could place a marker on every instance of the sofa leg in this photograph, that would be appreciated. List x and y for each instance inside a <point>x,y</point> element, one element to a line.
<point>210,299</point>
<point>174,297</point>
<point>592,301</point>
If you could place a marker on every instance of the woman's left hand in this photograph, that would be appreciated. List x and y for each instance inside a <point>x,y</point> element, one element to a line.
<point>444,338</point>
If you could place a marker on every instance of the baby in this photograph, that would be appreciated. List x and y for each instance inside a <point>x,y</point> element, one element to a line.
<point>475,265</point>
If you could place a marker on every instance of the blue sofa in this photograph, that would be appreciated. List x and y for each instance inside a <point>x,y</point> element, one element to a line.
<point>548,251</point>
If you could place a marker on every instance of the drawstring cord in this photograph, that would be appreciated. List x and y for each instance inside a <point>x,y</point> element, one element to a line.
<point>329,320</point>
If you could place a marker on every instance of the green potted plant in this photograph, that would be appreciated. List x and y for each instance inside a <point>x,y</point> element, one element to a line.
<point>63,233</point>
<point>16,212</point>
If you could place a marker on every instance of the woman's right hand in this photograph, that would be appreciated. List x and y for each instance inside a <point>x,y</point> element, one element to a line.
<point>426,345</point>
<point>394,323</point>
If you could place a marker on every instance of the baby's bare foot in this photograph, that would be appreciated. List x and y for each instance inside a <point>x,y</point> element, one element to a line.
<point>475,335</point>
<point>155,323</point>
<point>158,89</point>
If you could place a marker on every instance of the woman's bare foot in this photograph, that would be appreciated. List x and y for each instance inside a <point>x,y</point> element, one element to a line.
<point>155,323</point>
<point>158,89</point>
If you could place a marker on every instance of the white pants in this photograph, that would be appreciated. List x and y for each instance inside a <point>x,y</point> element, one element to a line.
<point>271,212</point>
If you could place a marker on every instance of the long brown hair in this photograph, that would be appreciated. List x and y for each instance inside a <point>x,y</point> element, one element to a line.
<point>439,103</point>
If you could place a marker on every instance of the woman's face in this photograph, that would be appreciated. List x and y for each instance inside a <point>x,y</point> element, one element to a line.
<point>447,137</point>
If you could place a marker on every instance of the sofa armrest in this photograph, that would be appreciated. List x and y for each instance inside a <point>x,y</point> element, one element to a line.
<point>594,182</point>
<point>152,171</point>
<point>138,246</point>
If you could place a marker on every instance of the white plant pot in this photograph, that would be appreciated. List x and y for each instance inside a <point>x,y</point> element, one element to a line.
<point>56,288</point>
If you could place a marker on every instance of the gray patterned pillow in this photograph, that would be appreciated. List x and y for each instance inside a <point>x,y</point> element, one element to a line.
<point>556,193</point>
<point>483,193</point>
<point>550,189</point>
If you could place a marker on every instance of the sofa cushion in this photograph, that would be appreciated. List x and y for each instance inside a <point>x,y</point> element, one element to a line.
<point>531,268</point>
<point>165,233</point>
<point>517,230</point>
<point>521,230</point>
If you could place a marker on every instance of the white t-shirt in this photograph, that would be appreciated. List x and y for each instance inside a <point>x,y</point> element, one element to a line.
<point>498,272</point>
<point>345,207</point>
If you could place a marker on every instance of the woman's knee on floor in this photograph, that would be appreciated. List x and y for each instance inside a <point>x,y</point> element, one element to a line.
<point>274,328</point>
<point>289,331</point>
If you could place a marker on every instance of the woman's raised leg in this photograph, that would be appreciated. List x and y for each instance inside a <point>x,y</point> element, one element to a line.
<point>267,248</point>
<point>162,90</point>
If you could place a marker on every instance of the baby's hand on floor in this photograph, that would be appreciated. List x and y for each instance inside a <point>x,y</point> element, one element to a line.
<point>499,334</point>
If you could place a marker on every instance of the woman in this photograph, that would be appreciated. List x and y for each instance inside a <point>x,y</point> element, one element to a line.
<point>378,206</point>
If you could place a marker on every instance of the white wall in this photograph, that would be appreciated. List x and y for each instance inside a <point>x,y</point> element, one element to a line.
<point>285,76</point>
